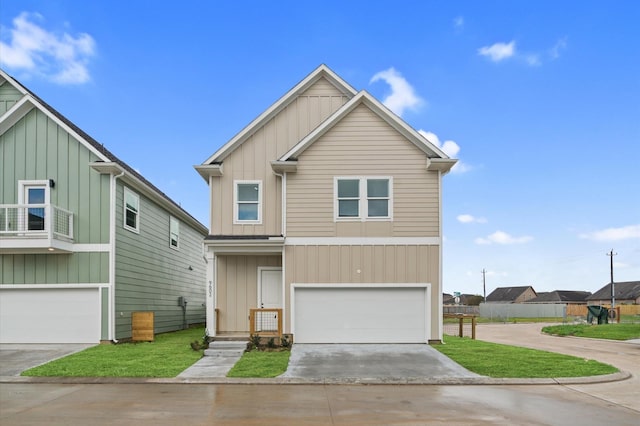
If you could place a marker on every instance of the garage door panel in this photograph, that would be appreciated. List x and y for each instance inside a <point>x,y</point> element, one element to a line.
<point>360,314</point>
<point>50,316</point>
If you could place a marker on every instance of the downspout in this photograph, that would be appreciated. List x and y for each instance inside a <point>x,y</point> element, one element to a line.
<point>112,258</point>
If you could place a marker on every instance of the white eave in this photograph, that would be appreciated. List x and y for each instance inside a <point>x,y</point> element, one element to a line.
<point>442,165</point>
<point>209,170</point>
<point>284,166</point>
<point>279,105</point>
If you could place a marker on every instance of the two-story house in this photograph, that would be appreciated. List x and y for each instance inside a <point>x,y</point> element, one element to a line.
<point>327,206</point>
<point>85,240</point>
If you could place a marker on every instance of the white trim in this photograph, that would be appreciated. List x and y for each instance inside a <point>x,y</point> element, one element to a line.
<point>52,286</point>
<point>383,112</point>
<point>426,286</point>
<point>15,113</point>
<point>211,294</point>
<point>236,220</point>
<point>111,314</point>
<point>363,200</point>
<point>363,241</point>
<point>91,248</point>
<point>175,220</point>
<point>135,229</point>
<point>23,184</point>
<point>440,272</point>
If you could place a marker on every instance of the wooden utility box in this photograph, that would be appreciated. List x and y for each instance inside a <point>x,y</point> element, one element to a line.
<point>142,326</point>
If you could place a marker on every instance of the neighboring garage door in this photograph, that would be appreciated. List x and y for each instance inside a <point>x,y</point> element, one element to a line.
<point>50,315</point>
<point>349,313</point>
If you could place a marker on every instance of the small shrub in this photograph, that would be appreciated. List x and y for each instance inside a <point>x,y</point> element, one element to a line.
<point>285,342</point>
<point>255,341</point>
<point>271,343</point>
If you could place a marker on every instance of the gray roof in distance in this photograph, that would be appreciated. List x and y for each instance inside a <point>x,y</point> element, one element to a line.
<point>624,291</point>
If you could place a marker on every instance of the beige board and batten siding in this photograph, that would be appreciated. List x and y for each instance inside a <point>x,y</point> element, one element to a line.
<point>379,264</point>
<point>362,144</point>
<point>252,159</point>
<point>237,289</point>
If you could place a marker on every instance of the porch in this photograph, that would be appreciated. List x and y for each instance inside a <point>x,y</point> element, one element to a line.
<point>35,228</point>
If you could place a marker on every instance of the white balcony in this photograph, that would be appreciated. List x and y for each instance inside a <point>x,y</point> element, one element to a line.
<point>35,228</point>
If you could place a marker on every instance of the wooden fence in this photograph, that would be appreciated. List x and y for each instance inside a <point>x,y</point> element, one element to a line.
<point>265,322</point>
<point>454,325</point>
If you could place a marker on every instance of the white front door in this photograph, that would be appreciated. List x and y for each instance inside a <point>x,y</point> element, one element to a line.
<point>269,297</point>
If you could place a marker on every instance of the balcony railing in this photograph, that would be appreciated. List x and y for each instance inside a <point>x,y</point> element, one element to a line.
<point>267,322</point>
<point>35,221</point>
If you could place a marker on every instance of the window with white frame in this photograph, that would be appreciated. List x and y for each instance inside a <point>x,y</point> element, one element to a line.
<point>363,198</point>
<point>131,210</point>
<point>247,202</point>
<point>174,232</point>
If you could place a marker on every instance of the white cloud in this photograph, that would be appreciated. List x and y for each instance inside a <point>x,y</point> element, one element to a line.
<point>402,94</point>
<point>467,218</point>
<point>458,23</point>
<point>498,51</point>
<point>613,234</point>
<point>500,237</point>
<point>532,59</point>
<point>560,45</point>
<point>31,48</point>
<point>448,147</point>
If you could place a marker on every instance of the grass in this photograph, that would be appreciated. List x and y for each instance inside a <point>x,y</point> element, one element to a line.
<point>603,331</point>
<point>167,356</point>
<point>495,360</point>
<point>261,364</point>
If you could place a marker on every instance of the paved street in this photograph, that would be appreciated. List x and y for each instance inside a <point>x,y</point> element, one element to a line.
<point>264,404</point>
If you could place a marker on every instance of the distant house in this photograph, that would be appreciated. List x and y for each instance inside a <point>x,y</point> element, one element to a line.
<point>85,240</point>
<point>562,296</point>
<point>447,299</point>
<point>465,299</point>
<point>627,293</point>
<point>511,294</point>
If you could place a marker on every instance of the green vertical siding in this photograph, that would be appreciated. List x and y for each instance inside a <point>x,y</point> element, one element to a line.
<point>8,97</point>
<point>76,268</point>
<point>150,276</point>
<point>36,148</point>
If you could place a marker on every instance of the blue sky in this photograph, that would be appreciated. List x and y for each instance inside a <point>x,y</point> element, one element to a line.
<point>539,100</point>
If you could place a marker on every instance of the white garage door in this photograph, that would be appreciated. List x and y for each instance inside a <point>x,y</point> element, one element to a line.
<point>394,313</point>
<point>50,315</point>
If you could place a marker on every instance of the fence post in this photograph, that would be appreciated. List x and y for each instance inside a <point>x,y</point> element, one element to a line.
<point>461,326</point>
<point>473,328</point>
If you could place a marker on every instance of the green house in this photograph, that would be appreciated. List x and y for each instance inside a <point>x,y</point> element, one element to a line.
<point>85,240</point>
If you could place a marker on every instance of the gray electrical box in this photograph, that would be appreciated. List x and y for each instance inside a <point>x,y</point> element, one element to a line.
<point>182,301</point>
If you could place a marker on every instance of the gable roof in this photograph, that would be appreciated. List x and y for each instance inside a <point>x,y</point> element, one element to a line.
<point>561,296</point>
<point>30,100</point>
<point>363,97</point>
<point>507,294</point>
<point>436,158</point>
<point>321,72</point>
<point>624,291</point>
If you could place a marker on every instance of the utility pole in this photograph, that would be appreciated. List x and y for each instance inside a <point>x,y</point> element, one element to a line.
<point>484,285</point>
<point>613,289</point>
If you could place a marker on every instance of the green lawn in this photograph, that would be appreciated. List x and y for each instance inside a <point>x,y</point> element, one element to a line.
<point>603,331</point>
<point>495,360</point>
<point>261,364</point>
<point>167,356</point>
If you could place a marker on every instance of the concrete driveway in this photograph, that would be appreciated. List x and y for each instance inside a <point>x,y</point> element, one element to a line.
<point>371,361</point>
<point>15,358</point>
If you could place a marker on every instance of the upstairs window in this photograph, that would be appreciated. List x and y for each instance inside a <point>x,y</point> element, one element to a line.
<point>363,198</point>
<point>131,210</point>
<point>174,232</point>
<point>248,202</point>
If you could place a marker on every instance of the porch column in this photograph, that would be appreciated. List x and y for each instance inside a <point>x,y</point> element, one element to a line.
<point>211,293</point>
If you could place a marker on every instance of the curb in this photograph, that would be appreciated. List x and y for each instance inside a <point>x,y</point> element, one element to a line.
<point>475,381</point>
